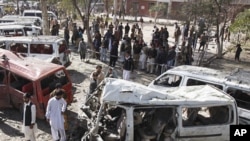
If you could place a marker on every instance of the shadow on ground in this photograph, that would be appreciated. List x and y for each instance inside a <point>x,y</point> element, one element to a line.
<point>6,117</point>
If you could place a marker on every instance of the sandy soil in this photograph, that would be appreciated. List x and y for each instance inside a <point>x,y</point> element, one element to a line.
<point>10,119</point>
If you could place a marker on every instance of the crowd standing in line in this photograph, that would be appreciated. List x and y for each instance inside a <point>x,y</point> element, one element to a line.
<point>122,46</point>
<point>112,41</point>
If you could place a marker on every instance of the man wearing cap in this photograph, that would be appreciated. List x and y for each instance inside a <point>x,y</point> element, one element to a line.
<point>29,118</point>
<point>58,87</point>
<point>54,114</point>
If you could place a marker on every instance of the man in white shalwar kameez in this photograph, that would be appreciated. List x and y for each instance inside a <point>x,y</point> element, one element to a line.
<point>54,114</point>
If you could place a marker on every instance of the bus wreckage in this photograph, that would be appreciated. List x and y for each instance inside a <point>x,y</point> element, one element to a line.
<point>121,110</point>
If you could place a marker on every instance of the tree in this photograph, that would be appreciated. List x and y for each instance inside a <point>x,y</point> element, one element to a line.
<point>157,10</point>
<point>17,9</point>
<point>241,23</point>
<point>45,17</point>
<point>216,13</point>
<point>86,17</point>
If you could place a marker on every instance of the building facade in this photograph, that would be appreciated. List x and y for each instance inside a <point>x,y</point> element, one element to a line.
<point>172,8</point>
<point>144,7</point>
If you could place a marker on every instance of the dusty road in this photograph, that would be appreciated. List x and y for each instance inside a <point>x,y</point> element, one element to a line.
<point>10,119</point>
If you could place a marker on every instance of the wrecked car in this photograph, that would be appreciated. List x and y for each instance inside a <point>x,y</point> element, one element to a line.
<point>235,83</point>
<point>20,75</point>
<point>121,110</point>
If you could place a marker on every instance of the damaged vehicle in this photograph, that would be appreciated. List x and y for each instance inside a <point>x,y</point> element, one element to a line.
<point>20,75</point>
<point>121,110</point>
<point>236,83</point>
<point>52,49</point>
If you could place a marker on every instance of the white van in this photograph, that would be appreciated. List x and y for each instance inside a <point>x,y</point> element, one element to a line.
<point>235,83</point>
<point>15,29</point>
<point>134,112</point>
<point>49,48</point>
<point>38,13</point>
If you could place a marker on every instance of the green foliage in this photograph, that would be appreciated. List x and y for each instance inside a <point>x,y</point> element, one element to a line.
<point>157,8</point>
<point>241,22</point>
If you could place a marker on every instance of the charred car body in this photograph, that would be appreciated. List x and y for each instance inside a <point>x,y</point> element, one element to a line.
<point>127,111</point>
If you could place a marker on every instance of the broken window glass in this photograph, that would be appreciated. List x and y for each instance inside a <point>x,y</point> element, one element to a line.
<point>206,116</point>
<point>152,124</point>
<point>169,80</point>
<point>41,48</point>
<point>242,97</point>
<point>19,47</point>
<point>193,82</point>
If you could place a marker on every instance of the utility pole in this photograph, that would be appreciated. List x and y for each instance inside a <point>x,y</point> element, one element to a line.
<point>45,18</point>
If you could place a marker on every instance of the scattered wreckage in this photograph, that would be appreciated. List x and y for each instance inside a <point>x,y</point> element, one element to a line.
<point>126,111</point>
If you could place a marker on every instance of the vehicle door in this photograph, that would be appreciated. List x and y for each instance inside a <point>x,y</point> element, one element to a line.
<point>208,123</point>
<point>17,87</point>
<point>167,80</point>
<point>4,94</point>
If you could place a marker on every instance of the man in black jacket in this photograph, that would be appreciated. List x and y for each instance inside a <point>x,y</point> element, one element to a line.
<point>161,60</point>
<point>128,66</point>
<point>127,28</point>
<point>113,54</point>
<point>137,50</point>
<point>29,118</point>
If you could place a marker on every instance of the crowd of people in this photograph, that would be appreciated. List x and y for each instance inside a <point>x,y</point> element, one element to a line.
<point>122,43</point>
<point>120,39</point>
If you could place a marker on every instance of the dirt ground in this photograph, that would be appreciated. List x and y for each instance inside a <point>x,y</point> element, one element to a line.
<point>10,119</point>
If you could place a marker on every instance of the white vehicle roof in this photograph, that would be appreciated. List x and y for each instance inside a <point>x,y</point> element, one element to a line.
<point>126,92</point>
<point>30,17</point>
<point>12,26</point>
<point>22,23</point>
<point>237,77</point>
<point>196,71</point>
<point>35,11</point>
<point>11,17</point>
<point>33,39</point>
